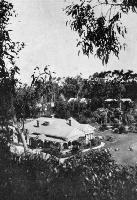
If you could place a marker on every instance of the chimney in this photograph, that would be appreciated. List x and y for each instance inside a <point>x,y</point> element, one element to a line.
<point>69,121</point>
<point>37,123</point>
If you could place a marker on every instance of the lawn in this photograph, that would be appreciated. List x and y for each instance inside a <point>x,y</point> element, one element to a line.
<point>120,147</point>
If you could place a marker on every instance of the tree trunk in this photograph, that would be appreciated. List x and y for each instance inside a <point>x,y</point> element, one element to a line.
<point>20,132</point>
<point>23,141</point>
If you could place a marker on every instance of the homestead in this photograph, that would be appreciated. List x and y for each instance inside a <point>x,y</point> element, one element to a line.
<point>123,103</point>
<point>58,130</point>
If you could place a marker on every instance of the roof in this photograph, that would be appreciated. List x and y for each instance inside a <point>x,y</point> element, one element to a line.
<point>110,100</point>
<point>75,134</point>
<point>126,99</point>
<point>123,100</point>
<point>82,100</point>
<point>72,99</point>
<point>39,105</point>
<point>86,128</point>
<point>58,128</point>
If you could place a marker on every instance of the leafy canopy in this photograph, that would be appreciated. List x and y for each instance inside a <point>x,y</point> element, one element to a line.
<point>8,48</point>
<point>99,25</point>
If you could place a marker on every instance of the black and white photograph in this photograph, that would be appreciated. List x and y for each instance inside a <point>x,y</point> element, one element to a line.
<point>68,99</point>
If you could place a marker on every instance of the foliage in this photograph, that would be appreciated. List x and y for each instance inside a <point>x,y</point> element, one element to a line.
<point>70,87</point>
<point>99,25</point>
<point>61,110</point>
<point>4,145</point>
<point>91,176</point>
<point>94,90</point>
<point>8,53</point>
<point>122,129</point>
<point>103,127</point>
<point>95,142</point>
<point>25,100</point>
<point>45,84</point>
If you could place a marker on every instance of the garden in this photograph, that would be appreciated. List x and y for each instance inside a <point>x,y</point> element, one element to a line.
<point>94,175</point>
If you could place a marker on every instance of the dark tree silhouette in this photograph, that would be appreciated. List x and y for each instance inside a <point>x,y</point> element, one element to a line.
<point>8,53</point>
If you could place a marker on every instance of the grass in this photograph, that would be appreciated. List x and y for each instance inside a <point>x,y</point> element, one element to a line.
<point>119,147</point>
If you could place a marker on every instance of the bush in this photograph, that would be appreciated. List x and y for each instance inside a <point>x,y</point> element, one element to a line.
<point>109,138</point>
<point>133,128</point>
<point>92,120</point>
<point>103,127</point>
<point>95,142</point>
<point>116,130</point>
<point>93,176</point>
<point>122,129</point>
<point>82,119</point>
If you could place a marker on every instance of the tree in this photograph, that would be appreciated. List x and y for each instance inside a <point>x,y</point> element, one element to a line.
<point>91,176</point>
<point>8,69</point>
<point>99,25</point>
<point>70,87</point>
<point>8,53</point>
<point>46,86</point>
<point>61,109</point>
<point>25,101</point>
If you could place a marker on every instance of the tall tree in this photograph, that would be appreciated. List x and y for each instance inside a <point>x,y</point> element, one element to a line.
<point>8,53</point>
<point>46,86</point>
<point>8,69</point>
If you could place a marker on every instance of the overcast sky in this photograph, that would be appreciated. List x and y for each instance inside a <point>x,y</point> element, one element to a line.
<point>41,24</point>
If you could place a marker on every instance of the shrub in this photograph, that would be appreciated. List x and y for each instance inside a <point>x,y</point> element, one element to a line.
<point>116,130</point>
<point>82,119</point>
<point>95,142</point>
<point>109,138</point>
<point>92,120</point>
<point>92,176</point>
<point>103,127</point>
<point>122,129</point>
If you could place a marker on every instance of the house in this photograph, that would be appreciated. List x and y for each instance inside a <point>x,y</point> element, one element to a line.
<point>72,100</point>
<point>58,130</point>
<point>82,100</point>
<point>123,103</point>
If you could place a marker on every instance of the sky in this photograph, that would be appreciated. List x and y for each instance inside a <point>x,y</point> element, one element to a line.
<point>41,25</point>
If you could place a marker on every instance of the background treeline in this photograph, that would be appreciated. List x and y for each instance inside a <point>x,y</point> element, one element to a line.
<point>93,90</point>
